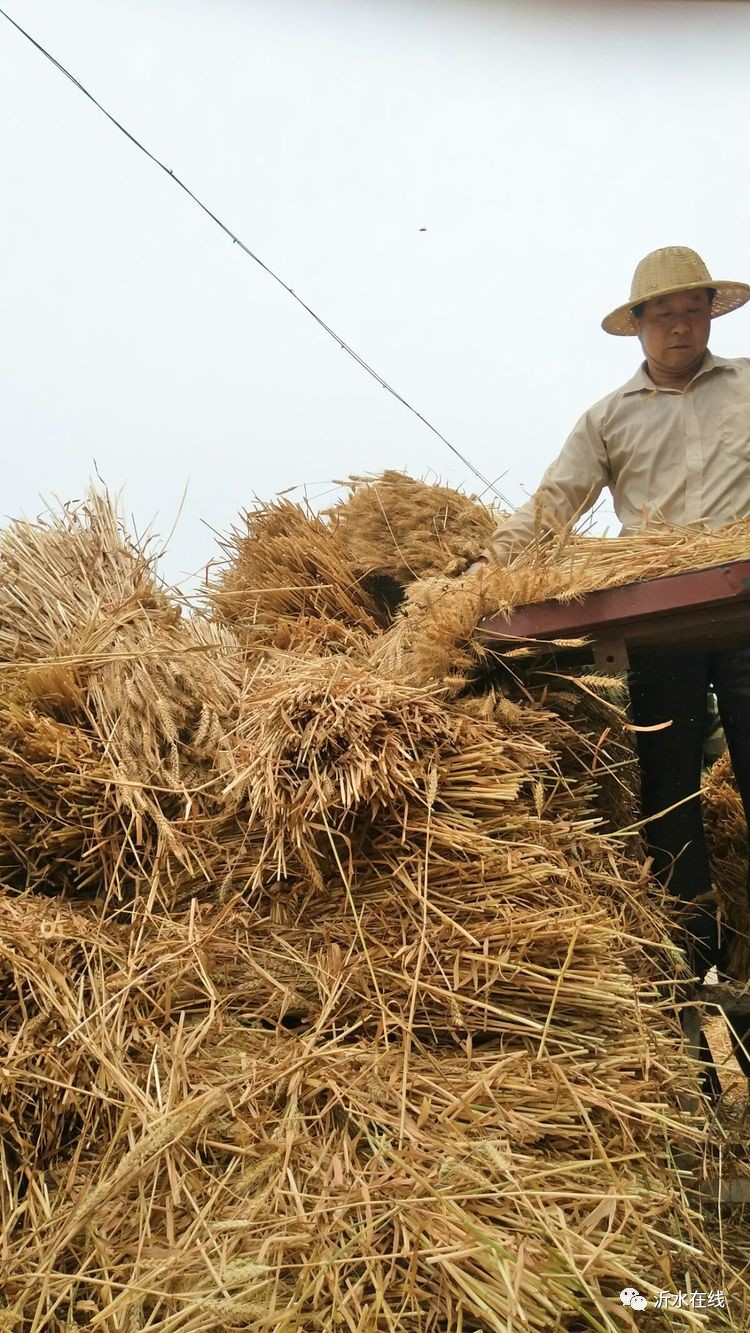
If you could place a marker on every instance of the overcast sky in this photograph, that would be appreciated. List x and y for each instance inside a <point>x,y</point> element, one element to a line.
<point>544,147</point>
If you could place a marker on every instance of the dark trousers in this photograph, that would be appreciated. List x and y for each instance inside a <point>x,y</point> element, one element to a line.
<point>674,688</point>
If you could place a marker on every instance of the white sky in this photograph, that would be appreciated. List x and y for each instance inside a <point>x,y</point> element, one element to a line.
<point>545,147</point>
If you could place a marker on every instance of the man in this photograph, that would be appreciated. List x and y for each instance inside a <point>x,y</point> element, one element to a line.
<point>673,446</point>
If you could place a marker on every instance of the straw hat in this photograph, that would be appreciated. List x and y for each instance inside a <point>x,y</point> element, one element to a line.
<point>674,269</point>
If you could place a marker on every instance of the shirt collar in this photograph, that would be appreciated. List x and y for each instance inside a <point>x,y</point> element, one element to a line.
<point>642,381</point>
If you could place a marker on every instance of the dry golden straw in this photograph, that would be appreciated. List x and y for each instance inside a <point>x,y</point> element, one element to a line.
<point>331,996</point>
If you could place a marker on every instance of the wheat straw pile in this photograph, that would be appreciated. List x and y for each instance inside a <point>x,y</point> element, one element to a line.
<point>401,529</point>
<point>726,834</point>
<point>330,999</point>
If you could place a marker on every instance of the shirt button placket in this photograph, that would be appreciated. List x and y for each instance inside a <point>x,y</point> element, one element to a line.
<point>694,460</point>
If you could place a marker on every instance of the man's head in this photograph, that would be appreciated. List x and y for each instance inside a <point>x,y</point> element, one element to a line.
<point>673,331</point>
<point>669,273</point>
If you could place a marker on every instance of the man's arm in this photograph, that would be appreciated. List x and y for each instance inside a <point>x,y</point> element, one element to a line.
<point>570,486</point>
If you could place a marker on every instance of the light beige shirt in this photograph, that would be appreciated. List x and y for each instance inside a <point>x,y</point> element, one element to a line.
<point>667,455</point>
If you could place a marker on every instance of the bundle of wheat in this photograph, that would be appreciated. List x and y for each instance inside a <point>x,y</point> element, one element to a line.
<point>162,703</point>
<point>434,639</point>
<point>114,707</point>
<point>288,582</point>
<point>568,565</point>
<point>403,529</point>
<point>58,831</point>
<point>68,581</point>
<point>322,740</point>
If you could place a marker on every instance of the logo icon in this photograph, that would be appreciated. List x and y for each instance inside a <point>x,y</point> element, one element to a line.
<point>631,1297</point>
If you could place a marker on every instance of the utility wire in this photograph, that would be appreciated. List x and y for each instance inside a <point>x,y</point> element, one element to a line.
<point>489,485</point>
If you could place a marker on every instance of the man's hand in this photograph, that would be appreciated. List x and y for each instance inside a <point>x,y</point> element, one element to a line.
<point>481,562</point>
<point>459,571</point>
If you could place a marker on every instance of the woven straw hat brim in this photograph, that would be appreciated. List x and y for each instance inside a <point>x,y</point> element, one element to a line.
<point>729,296</point>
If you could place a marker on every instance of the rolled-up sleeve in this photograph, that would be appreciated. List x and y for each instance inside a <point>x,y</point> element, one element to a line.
<point>568,488</point>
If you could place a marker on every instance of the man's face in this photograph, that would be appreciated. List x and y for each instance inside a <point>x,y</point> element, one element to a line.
<point>674,329</point>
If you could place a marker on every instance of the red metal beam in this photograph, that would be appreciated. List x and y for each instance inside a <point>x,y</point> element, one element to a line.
<point>707,608</point>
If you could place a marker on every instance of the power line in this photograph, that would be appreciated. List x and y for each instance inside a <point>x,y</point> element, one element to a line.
<point>489,485</point>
